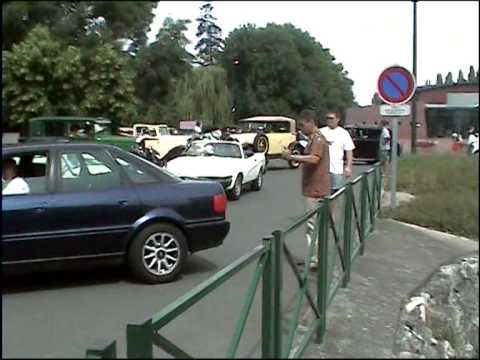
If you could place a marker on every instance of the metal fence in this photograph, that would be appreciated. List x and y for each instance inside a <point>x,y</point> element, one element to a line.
<point>340,240</point>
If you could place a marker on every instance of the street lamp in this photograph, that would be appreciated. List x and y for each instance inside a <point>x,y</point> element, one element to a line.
<point>236,62</point>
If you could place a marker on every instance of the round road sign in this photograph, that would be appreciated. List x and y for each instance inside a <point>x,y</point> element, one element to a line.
<point>396,85</point>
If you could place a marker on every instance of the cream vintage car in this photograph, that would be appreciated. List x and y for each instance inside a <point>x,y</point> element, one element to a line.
<point>273,135</point>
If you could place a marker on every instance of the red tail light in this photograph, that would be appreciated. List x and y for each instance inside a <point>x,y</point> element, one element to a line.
<point>220,203</point>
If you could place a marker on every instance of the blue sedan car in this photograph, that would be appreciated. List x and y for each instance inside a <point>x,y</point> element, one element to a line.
<point>68,203</point>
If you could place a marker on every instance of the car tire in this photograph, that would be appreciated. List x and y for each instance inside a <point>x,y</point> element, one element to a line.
<point>158,237</point>
<point>295,164</point>
<point>236,191</point>
<point>258,182</point>
<point>261,144</point>
<point>266,166</point>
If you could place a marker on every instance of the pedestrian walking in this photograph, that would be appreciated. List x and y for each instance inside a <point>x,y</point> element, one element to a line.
<point>385,150</point>
<point>340,143</point>
<point>457,143</point>
<point>315,175</point>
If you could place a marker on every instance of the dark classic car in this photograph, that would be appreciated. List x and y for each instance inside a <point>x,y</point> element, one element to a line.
<point>90,202</point>
<point>367,142</point>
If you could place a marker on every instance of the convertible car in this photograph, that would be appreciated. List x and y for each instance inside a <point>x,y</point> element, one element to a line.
<point>227,162</point>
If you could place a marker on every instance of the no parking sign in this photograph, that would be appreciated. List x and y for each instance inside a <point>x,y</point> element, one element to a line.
<point>396,85</point>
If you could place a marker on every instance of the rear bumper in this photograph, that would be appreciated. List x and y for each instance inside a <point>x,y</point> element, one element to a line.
<point>207,235</point>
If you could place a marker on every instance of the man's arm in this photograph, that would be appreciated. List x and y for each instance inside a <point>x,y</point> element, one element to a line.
<point>348,167</point>
<point>309,159</point>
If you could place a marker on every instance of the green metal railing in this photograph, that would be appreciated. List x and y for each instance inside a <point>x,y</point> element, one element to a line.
<point>142,337</point>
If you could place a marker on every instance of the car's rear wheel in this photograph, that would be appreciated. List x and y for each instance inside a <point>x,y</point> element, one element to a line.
<point>258,183</point>
<point>158,253</point>
<point>294,164</point>
<point>236,191</point>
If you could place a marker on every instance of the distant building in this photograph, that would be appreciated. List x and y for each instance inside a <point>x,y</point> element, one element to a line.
<point>441,110</point>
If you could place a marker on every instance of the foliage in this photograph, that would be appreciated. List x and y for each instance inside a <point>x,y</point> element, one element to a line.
<point>471,75</point>
<point>280,69</point>
<point>461,78</point>
<point>449,79</point>
<point>158,67</point>
<point>443,202</point>
<point>71,22</point>
<point>46,77</point>
<point>203,95</point>
<point>109,91</point>
<point>439,81</point>
<point>210,43</point>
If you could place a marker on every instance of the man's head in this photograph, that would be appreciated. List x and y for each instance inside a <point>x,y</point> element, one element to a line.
<point>307,122</point>
<point>10,169</point>
<point>332,118</point>
<point>384,123</point>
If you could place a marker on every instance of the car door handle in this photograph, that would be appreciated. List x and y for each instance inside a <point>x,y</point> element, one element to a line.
<point>123,202</point>
<point>39,210</point>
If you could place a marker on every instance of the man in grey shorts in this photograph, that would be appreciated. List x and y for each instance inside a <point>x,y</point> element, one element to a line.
<point>340,142</point>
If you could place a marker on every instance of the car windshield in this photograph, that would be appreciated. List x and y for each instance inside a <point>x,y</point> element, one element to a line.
<point>252,126</point>
<point>214,149</point>
<point>102,128</point>
<point>271,126</point>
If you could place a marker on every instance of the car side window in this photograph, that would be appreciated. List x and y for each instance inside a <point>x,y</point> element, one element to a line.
<point>87,171</point>
<point>135,173</point>
<point>25,174</point>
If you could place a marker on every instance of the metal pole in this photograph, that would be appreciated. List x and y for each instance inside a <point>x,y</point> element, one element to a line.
<point>414,71</point>
<point>393,171</point>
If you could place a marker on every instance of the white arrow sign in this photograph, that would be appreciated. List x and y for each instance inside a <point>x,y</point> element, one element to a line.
<point>395,110</point>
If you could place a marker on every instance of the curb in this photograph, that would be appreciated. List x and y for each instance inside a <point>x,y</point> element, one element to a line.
<point>432,231</point>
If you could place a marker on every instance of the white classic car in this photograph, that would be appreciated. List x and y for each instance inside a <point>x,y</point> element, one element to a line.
<point>222,161</point>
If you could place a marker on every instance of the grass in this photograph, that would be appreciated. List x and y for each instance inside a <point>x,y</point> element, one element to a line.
<point>446,193</point>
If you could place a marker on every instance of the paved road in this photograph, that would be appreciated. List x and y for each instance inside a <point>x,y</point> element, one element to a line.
<point>60,314</point>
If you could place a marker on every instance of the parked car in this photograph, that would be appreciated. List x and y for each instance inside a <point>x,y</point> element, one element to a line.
<point>90,202</point>
<point>223,161</point>
<point>367,142</point>
<point>272,135</point>
<point>99,130</point>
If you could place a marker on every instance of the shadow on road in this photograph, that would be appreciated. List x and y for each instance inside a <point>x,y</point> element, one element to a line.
<point>61,279</point>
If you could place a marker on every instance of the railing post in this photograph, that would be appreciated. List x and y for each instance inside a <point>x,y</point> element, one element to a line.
<point>140,340</point>
<point>322,271</point>
<point>347,233</point>
<point>380,187</point>
<point>374,199</point>
<point>102,351</point>
<point>363,212</point>
<point>277,252</point>
<point>267,308</point>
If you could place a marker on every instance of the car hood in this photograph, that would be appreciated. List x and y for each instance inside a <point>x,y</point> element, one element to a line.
<point>203,166</point>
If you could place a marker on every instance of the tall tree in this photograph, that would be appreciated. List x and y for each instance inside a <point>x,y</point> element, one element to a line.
<point>449,79</point>
<point>70,21</point>
<point>439,81</point>
<point>204,95</point>
<point>210,43</point>
<point>280,69</point>
<point>45,76</point>
<point>158,67</point>
<point>461,78</point>
<point>471,75</point>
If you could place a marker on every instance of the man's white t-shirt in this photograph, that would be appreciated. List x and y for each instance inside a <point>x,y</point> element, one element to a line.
<point>385,145</point>
<point>16,186</point>
<point>339,141</point>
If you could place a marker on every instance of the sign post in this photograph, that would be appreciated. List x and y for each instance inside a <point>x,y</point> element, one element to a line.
<point>396,86</point>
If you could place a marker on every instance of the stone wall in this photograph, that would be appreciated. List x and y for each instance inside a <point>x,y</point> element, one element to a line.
<point>440,318</point>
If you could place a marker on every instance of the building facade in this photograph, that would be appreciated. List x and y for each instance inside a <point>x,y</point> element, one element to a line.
<point>441,111</point>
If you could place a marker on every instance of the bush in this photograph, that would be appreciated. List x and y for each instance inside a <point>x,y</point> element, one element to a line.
<point>446,193</point>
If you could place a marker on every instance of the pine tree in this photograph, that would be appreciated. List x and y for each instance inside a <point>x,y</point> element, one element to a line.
<point>461,78</point>
<point>439,80</point>
<point>209,34</point>
<point>471,75</point>
<point>449,79</point>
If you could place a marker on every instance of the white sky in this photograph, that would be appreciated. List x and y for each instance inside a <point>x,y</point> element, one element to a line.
<point>365,36</point>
